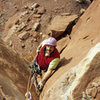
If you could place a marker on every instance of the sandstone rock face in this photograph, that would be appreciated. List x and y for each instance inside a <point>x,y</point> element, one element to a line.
<point>7,84</point>
<point>64,83</point>
<point>72,84</point>
<point>59,24</point>
<point>77,60</point>
<point>13,74</point>
<point>86,71</point>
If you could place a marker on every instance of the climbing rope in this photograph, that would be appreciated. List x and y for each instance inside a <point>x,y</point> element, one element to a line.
<point>29,86</point>
<point>32,80</point>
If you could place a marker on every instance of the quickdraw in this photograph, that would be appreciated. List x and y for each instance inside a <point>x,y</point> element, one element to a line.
<point>28,95</point>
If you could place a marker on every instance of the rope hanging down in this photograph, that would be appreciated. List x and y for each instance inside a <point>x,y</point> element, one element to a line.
<point>32,80</point>
<point>29,86</point>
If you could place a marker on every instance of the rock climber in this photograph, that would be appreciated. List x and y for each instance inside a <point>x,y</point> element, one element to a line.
<point>47,59</point>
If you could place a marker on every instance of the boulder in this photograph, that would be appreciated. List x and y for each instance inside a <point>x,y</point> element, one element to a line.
<point>65,14</point>
<point>35,10</point>
<point>36,26</point>
<point>35,34</point>
<point>24,35</point>
<point>14,74</point>
<point>37,16</point>
<point>41,10</point>
<point>24,13</point>
<point>35,5</point>
<point>20,27</point>
<point>25,7</point>
<point>59,24</point>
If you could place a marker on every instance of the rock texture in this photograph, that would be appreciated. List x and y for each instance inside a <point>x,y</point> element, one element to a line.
<point>28,17</point>
<point>59,25</point>
<point>72,84</point>
<point>86,71</point>
<point>13,74</point>
<point>77,76</point>
<point>84,36</point>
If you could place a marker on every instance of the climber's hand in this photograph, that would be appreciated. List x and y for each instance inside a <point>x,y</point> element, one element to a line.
<point>40,85</point>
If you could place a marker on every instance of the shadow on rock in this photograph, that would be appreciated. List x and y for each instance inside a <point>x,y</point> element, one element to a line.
<point>63,62</point>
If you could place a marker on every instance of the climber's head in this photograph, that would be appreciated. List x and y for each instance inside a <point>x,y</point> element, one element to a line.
<point>51,44</point>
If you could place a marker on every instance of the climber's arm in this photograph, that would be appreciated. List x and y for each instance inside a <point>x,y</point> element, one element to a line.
<point>51,67</point>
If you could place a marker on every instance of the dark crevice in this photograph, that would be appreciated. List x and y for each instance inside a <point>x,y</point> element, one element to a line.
<point>68,30</point>
<point>63,49</point>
